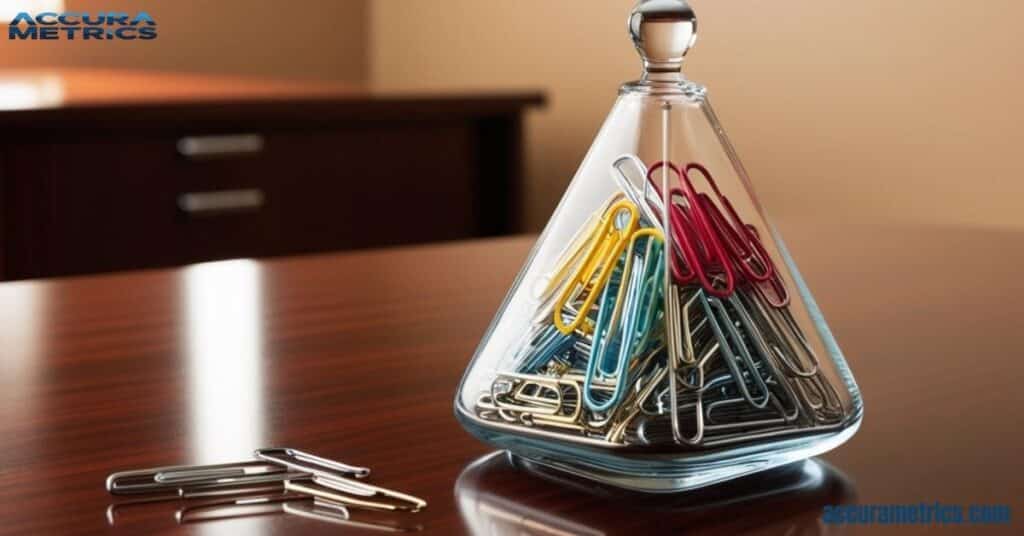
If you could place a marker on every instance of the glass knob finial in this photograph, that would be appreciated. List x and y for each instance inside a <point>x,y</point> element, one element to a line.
<point>663,32</point>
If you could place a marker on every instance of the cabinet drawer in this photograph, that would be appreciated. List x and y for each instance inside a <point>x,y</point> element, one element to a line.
<point>122,204</point>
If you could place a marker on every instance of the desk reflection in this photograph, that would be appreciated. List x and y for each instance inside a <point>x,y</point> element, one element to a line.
<point>503,495</point>
<point>246,513</point>
<point>30,90</point>
<point>223,306</point>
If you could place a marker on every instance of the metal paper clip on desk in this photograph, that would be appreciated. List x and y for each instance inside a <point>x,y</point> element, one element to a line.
<point>282,475</point>
<point>173,478</point>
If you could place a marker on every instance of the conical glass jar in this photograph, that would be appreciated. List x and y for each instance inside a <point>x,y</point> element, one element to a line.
<point>652,349</point>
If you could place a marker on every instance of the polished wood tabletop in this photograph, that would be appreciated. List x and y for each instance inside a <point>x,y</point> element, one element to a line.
<point>39,101</point>
<point>357,357</point>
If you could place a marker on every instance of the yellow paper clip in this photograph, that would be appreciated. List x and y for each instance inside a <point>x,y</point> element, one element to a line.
<point>578,247</point>
<point>610,240</point>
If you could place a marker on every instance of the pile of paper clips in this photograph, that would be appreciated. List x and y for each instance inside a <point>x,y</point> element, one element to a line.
<point>694,351</point>
<point>289,480</point>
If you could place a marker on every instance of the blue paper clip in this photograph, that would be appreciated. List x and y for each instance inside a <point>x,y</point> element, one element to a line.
<point>629,306</point>
<point>550,344</point>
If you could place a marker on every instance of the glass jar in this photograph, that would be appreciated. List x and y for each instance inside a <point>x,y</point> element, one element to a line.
<point>660,349</point>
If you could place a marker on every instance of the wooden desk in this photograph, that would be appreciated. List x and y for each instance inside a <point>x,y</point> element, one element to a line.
<point>357,356</point>
<point>119,170</point>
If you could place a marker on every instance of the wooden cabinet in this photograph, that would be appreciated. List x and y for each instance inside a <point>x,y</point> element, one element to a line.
<point>110,186</point>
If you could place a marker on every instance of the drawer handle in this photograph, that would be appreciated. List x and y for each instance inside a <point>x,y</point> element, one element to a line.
<point>200,147</point>
<point>201,203</point>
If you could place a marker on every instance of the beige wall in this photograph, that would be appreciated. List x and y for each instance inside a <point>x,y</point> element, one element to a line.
<point>861,110</point>
<point>244,37</point>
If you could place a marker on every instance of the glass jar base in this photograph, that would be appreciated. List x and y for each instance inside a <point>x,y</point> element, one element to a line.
<point>661,473</point>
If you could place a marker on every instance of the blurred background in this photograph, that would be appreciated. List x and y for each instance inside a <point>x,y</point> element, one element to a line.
<point>842,111</point>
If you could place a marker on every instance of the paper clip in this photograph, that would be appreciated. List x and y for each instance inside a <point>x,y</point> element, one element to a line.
<point>329,478</point>
<point>610,240</point>
<point>281,479</point>
<point>541,400</point>
<point>173,478</point>
<point>641,196</point>
<point>698,254</point>
<point>354,494</point>
<point>547,345</point>
<point>620,318</point>
<point>731,342</point>
<point>743,243</point>
<point>309,463</point>
<point>573,254</point>
<point>745,247</point>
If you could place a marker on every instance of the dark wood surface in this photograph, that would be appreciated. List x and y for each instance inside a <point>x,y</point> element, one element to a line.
<point>357,356</point>
<point>91,173</point>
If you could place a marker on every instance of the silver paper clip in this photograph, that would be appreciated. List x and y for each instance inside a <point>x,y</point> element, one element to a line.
<point>309,463</point>
<point>176,477</point>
